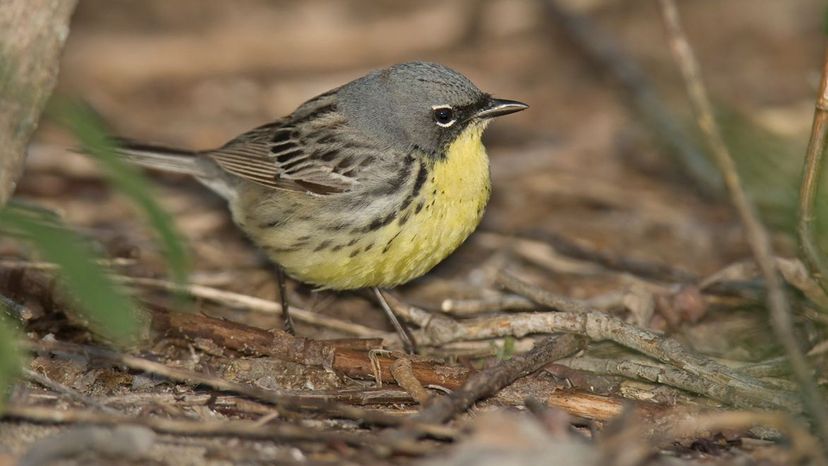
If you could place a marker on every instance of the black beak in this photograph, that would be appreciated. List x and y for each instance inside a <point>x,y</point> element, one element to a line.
<point>500,107</point>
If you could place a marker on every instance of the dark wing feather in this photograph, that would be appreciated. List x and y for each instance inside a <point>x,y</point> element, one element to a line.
<point>308,151</point>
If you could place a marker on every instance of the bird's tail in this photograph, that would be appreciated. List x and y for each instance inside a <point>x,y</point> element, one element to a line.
<point>186,162</point>
<point>162,158</point>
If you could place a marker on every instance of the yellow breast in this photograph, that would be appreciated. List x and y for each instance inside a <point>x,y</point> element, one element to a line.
<point>449,208</point>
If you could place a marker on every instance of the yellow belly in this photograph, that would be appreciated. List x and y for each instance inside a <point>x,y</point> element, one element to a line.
<point>453,199</point>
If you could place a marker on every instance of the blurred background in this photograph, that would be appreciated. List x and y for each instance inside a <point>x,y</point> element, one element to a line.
<point>580,164</point>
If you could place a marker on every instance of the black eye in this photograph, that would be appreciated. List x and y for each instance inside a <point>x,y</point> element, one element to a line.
<point>444,116</point>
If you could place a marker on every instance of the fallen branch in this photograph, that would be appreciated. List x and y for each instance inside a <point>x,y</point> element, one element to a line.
<point>598,407</point>
<point>722,383</point>
<point>281,345</point>
<point>643,369</point>
<point>489,382</point>
<point>626,388</point>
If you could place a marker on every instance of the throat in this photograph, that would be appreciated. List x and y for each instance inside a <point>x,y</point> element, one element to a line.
<point>462,176</point>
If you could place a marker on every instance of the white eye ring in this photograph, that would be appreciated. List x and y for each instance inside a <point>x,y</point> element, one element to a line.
<point>441,115</point>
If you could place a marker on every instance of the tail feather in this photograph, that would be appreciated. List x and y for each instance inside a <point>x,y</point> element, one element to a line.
<point>162,158</point>
<point>179,161</point>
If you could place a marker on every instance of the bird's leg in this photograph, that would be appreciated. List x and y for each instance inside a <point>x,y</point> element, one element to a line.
<point>283,299</point>
<point>405,335</point>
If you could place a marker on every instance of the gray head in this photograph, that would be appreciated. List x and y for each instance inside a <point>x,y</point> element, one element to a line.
<point>418,104</point>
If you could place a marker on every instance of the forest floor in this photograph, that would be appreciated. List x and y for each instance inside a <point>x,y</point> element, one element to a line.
<point>587,204</point>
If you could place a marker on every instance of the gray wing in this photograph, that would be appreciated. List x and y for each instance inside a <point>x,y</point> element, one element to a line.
<point>312,150</point>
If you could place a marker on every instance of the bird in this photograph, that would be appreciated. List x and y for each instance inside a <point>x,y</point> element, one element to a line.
<point>368,185</point>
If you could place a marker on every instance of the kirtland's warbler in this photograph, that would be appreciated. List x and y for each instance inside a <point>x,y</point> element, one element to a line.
<point>370,184</point>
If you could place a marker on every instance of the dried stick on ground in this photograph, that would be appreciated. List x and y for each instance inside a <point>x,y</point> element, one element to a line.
<point>253,303</point>
<point>496,303</point>
<point>757,236</point>
<point>580,399</point>
<point>247,429</point>
<point>344,357</point>
<point>280,398</point>
<point>281,345</point>
<point>603,52</point>
<point>64,390</point>
<point>642,369</point>
<point>552,300</point>
<point>489,382</point>
<point>722,383</point>
<point>404,375</point>
<point>224,297</point>
<point>588,405</point>
<point>811,176</point>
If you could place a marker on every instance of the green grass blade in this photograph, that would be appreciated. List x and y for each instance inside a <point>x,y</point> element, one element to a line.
<point>89,130</point>
<point>10,357</point>
<point>109,311</point>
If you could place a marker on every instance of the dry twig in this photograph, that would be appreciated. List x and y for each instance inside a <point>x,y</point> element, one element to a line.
<point>721,382</point>
<point>343,356</point>
<point>811,176</point>
<point>588,405</point>
<point>203,427</point>
<point>757,236</point>
<point>489,381</point>
<point>238,300</point>
<point>496,303</point>
<point>638,368</point>
<point>283,399</point>
<point>64,390</point>
<point>553,301</point>
<point>404,375</point>
<point>278,344</point>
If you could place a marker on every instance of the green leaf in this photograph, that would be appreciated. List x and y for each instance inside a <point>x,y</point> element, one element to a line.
<point>10,357</point>
<point>770,165</point>
<point>825,22</point>
<point>505,352</point>
<point>91,133</point>
<point>109,311</point>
